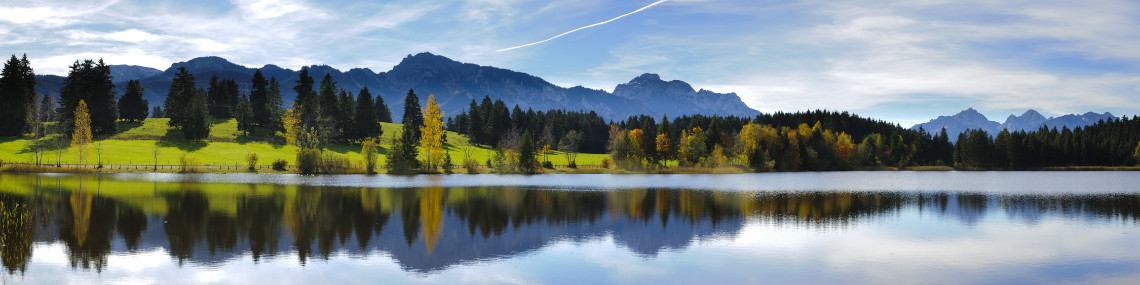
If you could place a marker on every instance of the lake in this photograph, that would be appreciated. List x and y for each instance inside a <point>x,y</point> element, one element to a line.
<point>845,227</point>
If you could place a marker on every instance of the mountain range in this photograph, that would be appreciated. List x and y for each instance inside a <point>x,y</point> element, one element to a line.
<point>453,83</point>
<point>1031,120</point>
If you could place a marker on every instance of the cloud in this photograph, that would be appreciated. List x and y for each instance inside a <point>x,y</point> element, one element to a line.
<point>264,9</point>
<point>585,27</point>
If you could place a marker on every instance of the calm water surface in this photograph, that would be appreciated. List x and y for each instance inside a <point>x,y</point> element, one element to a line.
<point>848,227</point>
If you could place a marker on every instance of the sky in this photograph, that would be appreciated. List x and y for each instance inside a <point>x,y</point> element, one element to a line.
<point>904,61</point>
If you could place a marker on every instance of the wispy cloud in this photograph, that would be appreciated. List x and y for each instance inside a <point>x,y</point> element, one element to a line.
<point>586,27</point>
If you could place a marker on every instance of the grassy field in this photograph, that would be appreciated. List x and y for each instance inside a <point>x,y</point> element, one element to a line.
<point>136,144</point>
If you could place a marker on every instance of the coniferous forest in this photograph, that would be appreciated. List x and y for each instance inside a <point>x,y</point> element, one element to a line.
<point>323,115</point>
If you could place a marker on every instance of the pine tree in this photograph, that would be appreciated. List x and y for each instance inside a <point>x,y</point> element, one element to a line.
<point>244,115</point>
<point>182,89</point>
<point>90,81</point>
<point>413,116</point>
<point>196,124</point>
<point>383,114</point>
<point>258,96</point>
<point>328,99</point>
<point>474,124</point>
<point>367,125</point>
<point>274,107</point>
<point>132,106</point>
<point>17,93</point>
<point>527,162</point>
<point>346,117</point>
<point>431,134</point>
<point>156,112</point>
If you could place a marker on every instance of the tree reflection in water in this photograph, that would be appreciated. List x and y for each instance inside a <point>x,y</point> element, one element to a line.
<point>438,227</point>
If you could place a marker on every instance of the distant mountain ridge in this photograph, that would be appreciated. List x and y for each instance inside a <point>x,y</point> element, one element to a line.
<point>1031,120</point>
<point>453,83</point>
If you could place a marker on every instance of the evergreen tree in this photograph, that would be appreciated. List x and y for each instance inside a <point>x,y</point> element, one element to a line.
<point>346,115</point>
<point>367,125</point>
<point>328,99</point>
<point>527,162</point>
<point>90,81</point>
<point>156,112</point>
<point>383,114</point>
<point>274,107</point>
<point>182,89</point>
<point>17,95</point>
<point>196,120</point>
<point>307,104</point>
<point>132,106</point>
<point>258,97</point>
<point>474,124</point>
<point>244,115</point>
<point>413,116</point>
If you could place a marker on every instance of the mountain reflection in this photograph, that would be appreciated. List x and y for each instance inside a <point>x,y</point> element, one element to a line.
<point>432,228</point>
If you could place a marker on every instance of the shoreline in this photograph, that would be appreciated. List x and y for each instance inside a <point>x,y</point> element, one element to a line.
<point>733,169</point>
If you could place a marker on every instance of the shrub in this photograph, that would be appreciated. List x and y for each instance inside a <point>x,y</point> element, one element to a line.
<point>471,165</point>
<point>280,164</point>
<point>188,164</point>
<point>251,159</point>
<point>606,162</point>
<point>332,162</point>
<point>547,164</point>
<point>308,161</point>
<point>368,150</point>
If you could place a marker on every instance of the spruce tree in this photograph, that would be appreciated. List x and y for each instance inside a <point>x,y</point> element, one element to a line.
<point>474,124</point>
<point>258,95</point>
<point>132,106</point>
<point>527,160</point>
<point>182,89</point>
<point>413,116</point>
<point>330,106</point>
<point>346,115</point>
<point>244,115</point>
<point>274,107</point>
<point>196,120</point>
<point>90,82</point>
<point>383,114</point>
<point>367,125</point>
<point>17,94</point>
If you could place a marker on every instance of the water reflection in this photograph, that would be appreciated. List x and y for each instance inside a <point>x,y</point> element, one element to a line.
<point>433,228</point>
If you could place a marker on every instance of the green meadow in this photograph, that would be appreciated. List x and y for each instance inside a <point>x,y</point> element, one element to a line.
<point>136,144</point>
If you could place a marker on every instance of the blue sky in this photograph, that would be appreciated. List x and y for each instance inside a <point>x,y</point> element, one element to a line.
<point>904,61</point>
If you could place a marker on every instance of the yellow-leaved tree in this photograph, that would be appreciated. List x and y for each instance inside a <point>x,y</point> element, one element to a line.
<point>81,138</point>
<point>664,149</point>
<point>431,134</point>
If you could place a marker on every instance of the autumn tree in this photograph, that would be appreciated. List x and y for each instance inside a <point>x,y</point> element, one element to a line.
<point>1136,153</point>
<point>81,136</point>
<point>664,148</point>
<point>369,151</point>
<point>431,134</point>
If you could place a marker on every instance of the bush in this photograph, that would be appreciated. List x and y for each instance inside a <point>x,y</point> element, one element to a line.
<point>472,165</point>
<point>332,162</point>
<point>188,164</point>
<point>308,161</point>
<point>572,164</point>
<point>606,162</point>
<point>547,164</point>
<point>251,159</point>
<point>280,164</point>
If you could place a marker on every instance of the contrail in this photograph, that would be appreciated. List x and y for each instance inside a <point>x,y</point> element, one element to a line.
<point>586,27</point>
